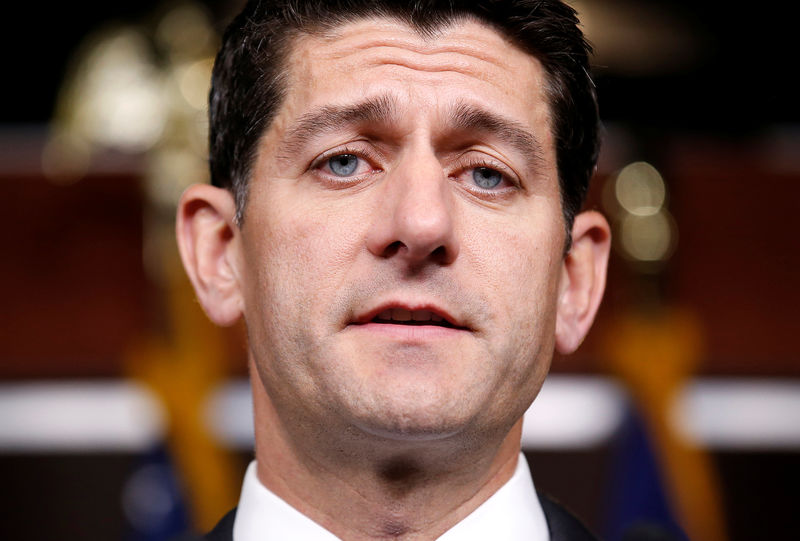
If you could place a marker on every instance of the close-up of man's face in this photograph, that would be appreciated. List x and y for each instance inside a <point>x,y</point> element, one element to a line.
<point>400,264</point>
<point>326,270</point>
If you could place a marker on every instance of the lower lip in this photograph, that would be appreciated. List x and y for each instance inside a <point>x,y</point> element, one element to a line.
<point>409,332</point>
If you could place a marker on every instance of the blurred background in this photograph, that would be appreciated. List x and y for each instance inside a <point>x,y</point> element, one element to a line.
<point>125,415</point>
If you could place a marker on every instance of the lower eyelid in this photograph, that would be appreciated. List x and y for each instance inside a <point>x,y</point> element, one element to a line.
<point>321,170</point>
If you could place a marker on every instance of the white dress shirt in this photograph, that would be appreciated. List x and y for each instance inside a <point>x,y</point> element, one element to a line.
<point>513,513</point>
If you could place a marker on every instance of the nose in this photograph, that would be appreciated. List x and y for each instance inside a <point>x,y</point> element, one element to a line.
<point>415,219</point>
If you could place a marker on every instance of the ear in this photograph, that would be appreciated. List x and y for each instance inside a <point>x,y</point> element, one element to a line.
<point>208,241</point>
<point>583,280</point>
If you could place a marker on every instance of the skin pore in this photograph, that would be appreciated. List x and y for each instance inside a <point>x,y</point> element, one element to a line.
<point>401,272</point>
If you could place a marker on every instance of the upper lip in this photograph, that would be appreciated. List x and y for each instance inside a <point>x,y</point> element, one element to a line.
<point>435,310</point>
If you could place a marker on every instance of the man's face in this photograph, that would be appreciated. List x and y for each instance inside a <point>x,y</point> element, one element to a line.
<point>402,244</point>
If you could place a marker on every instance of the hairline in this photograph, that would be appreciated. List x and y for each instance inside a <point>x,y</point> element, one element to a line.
<point>425,30</point>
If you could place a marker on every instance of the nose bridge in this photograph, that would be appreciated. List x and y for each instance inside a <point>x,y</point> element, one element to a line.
<point>418,210</point>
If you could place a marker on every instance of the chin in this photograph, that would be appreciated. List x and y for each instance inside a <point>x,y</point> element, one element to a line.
<point>417,417</point>
<point>408,432</point>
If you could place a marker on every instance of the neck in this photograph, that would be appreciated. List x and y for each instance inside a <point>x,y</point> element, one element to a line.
<point>359,487</point>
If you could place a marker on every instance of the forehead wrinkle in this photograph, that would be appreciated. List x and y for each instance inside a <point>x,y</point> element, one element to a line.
<point>426,48</point>
<point>332,118</point>
<point>470,118</point>
<point>379,32</point>
<point>469,61</point>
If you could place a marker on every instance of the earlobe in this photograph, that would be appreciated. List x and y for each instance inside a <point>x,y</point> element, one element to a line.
<point>208,243</point>
<point>583,280</point>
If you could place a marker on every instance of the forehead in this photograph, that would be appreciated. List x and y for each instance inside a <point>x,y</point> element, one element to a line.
<point>466,61</point>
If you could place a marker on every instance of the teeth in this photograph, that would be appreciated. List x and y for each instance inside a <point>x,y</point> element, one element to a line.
<point>401,314</point>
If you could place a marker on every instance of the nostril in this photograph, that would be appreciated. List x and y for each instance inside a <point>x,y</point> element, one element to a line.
<point>393,248</point>
<point>440,254</point>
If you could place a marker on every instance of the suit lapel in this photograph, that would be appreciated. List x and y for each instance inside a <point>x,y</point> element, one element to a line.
<point>223,531</point>
<point>563,525</point>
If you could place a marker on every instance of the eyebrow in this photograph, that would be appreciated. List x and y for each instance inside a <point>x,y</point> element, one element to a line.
<point>331,118</point>
<point>469,118</point>
<point>463,117</point>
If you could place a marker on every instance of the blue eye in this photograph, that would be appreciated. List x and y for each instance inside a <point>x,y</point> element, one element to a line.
<point>486,178</point>
<point>343,165</point>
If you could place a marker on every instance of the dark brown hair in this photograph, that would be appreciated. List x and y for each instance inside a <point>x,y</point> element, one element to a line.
<point>248,82</point>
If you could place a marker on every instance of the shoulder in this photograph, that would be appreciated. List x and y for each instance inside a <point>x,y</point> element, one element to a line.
<point>564,526</point>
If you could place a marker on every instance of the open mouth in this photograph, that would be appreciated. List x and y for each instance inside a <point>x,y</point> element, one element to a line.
<point>401,316</point>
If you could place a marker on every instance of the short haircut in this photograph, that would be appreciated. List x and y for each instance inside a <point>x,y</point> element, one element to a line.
<point>250,74</point>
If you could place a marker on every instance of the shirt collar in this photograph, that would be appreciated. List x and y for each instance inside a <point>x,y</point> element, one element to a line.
<point>513,513</point>
<point>263,515</point>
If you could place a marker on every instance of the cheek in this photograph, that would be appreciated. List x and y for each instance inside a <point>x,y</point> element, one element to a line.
<point>518,265</point>
<point>301,251</point>
<point>519,269</point>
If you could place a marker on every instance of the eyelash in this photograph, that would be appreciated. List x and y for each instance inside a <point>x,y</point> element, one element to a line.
<point>369,156</point>
<point>488,163</point>
<point>372,157</point>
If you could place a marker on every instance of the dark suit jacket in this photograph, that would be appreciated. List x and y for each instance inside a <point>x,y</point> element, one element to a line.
<point>562,524</point>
